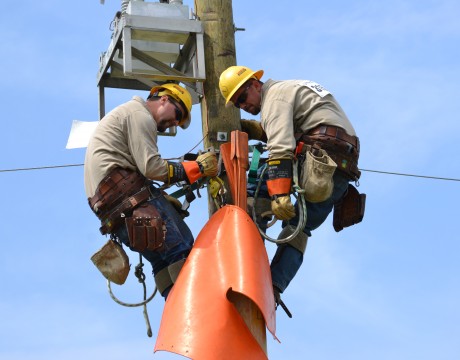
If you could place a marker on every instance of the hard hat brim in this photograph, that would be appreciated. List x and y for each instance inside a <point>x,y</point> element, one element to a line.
<point>256,75</point>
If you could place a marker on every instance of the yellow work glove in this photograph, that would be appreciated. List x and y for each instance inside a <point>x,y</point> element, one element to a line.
<point>279,187</point>
<point>253,129</point>
<point>208,164</point>
<point>282,207</point>
<point>204,165</point>
<point>177,205</point>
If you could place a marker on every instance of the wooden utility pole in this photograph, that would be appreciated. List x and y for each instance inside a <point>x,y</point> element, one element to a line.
<point>219,121</point>
<point>219,45</point>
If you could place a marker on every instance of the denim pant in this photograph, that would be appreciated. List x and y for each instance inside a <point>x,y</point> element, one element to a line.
<point>178,240</point>
<point>287,259</point>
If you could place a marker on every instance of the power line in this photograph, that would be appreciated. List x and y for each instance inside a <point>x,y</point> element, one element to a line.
<point>367,170</point>
<point>41,168</point>
<point>412,175</point>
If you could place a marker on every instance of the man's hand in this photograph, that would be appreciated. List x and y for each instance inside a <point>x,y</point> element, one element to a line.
<point>282,207</point>
<point>208,164</point>
<point>254,130</point>
<point>191,171</point>
<point>279,187</point>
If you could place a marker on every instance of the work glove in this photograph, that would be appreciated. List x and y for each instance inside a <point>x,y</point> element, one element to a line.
<point>208,164</point>
<point>191,171</point>
<point>254,130</point>
<point>177,205</point>
<point>282,207</point>
<point>279,187</point>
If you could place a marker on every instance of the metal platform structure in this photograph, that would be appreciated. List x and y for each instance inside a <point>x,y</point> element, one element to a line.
<point>152,43</point>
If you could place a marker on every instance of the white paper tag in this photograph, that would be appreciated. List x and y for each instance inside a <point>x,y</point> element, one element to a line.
<point>317,88</point>
<point>80,133</point>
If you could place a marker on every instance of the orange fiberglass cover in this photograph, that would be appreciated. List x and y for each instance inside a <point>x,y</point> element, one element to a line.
<point>199,321</point>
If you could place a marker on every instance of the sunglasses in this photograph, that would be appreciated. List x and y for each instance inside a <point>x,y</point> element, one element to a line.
<point>179,113</point>
<point>243,97</point>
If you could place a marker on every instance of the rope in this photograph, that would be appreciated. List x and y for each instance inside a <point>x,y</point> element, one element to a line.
<point>112,295</point>
<point>139,273</point>
<point>302,209</point>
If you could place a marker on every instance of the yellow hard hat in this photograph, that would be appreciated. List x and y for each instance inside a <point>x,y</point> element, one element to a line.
<point>233,78</point>
<point>181,95</point>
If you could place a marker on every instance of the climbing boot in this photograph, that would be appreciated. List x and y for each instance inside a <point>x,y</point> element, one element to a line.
<point>279,302</point>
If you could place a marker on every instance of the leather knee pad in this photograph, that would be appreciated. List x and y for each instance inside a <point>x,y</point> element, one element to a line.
<point>167,276</point>
<point>163,280</point>
<point>174,269</point>
<point>299,242</point>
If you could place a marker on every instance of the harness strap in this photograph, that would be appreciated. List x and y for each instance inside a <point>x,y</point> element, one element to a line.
<point>114,218</point>
<point>252,174</point>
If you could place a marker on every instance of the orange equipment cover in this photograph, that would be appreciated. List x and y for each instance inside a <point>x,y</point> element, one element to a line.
<point>239,156</point>
<point>235,157</point>
<point>225,154</point>
<point>198,320</point>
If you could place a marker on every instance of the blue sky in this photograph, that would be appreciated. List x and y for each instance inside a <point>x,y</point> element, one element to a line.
<point>387,288</point>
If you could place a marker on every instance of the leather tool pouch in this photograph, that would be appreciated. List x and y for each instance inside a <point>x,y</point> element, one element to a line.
<point>112,262</point>
<point>146,229</point>
<point>343,153</point>
<point>316,175</point>
<point>349,210</point>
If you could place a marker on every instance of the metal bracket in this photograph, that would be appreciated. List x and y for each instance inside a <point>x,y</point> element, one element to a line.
<point>153,43</point>
<point>222,136</point>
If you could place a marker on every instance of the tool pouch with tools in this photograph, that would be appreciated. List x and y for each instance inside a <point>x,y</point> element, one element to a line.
<point>146,229</point>
<point>341,147</point>
<point>349,210</point>
<point>316,176</point>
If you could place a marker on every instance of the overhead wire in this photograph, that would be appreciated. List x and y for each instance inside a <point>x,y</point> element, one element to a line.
<point>73,165</point>
<point>365,170</point>
<point>40,168</point>
<point>412,175</point>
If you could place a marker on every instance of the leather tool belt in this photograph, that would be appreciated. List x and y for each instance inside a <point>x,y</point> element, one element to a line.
<point>344,150</point>
<point>341,147</point>
<point>116,196</point>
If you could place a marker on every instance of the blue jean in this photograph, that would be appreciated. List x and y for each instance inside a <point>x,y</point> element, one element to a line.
<point>178,240</point>
<point>287,259</point>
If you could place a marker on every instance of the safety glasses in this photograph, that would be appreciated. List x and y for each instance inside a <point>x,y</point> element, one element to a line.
<point>179,113</point>
<point>243,96</point>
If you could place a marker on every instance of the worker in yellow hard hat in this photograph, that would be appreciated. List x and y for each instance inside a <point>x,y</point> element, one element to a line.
<point>299,120</point>
<point>179,97</point>
<point>122,161</point>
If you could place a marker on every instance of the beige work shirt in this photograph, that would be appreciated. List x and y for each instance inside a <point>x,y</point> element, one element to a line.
<point>126,137</point>
<point>294,106</point>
